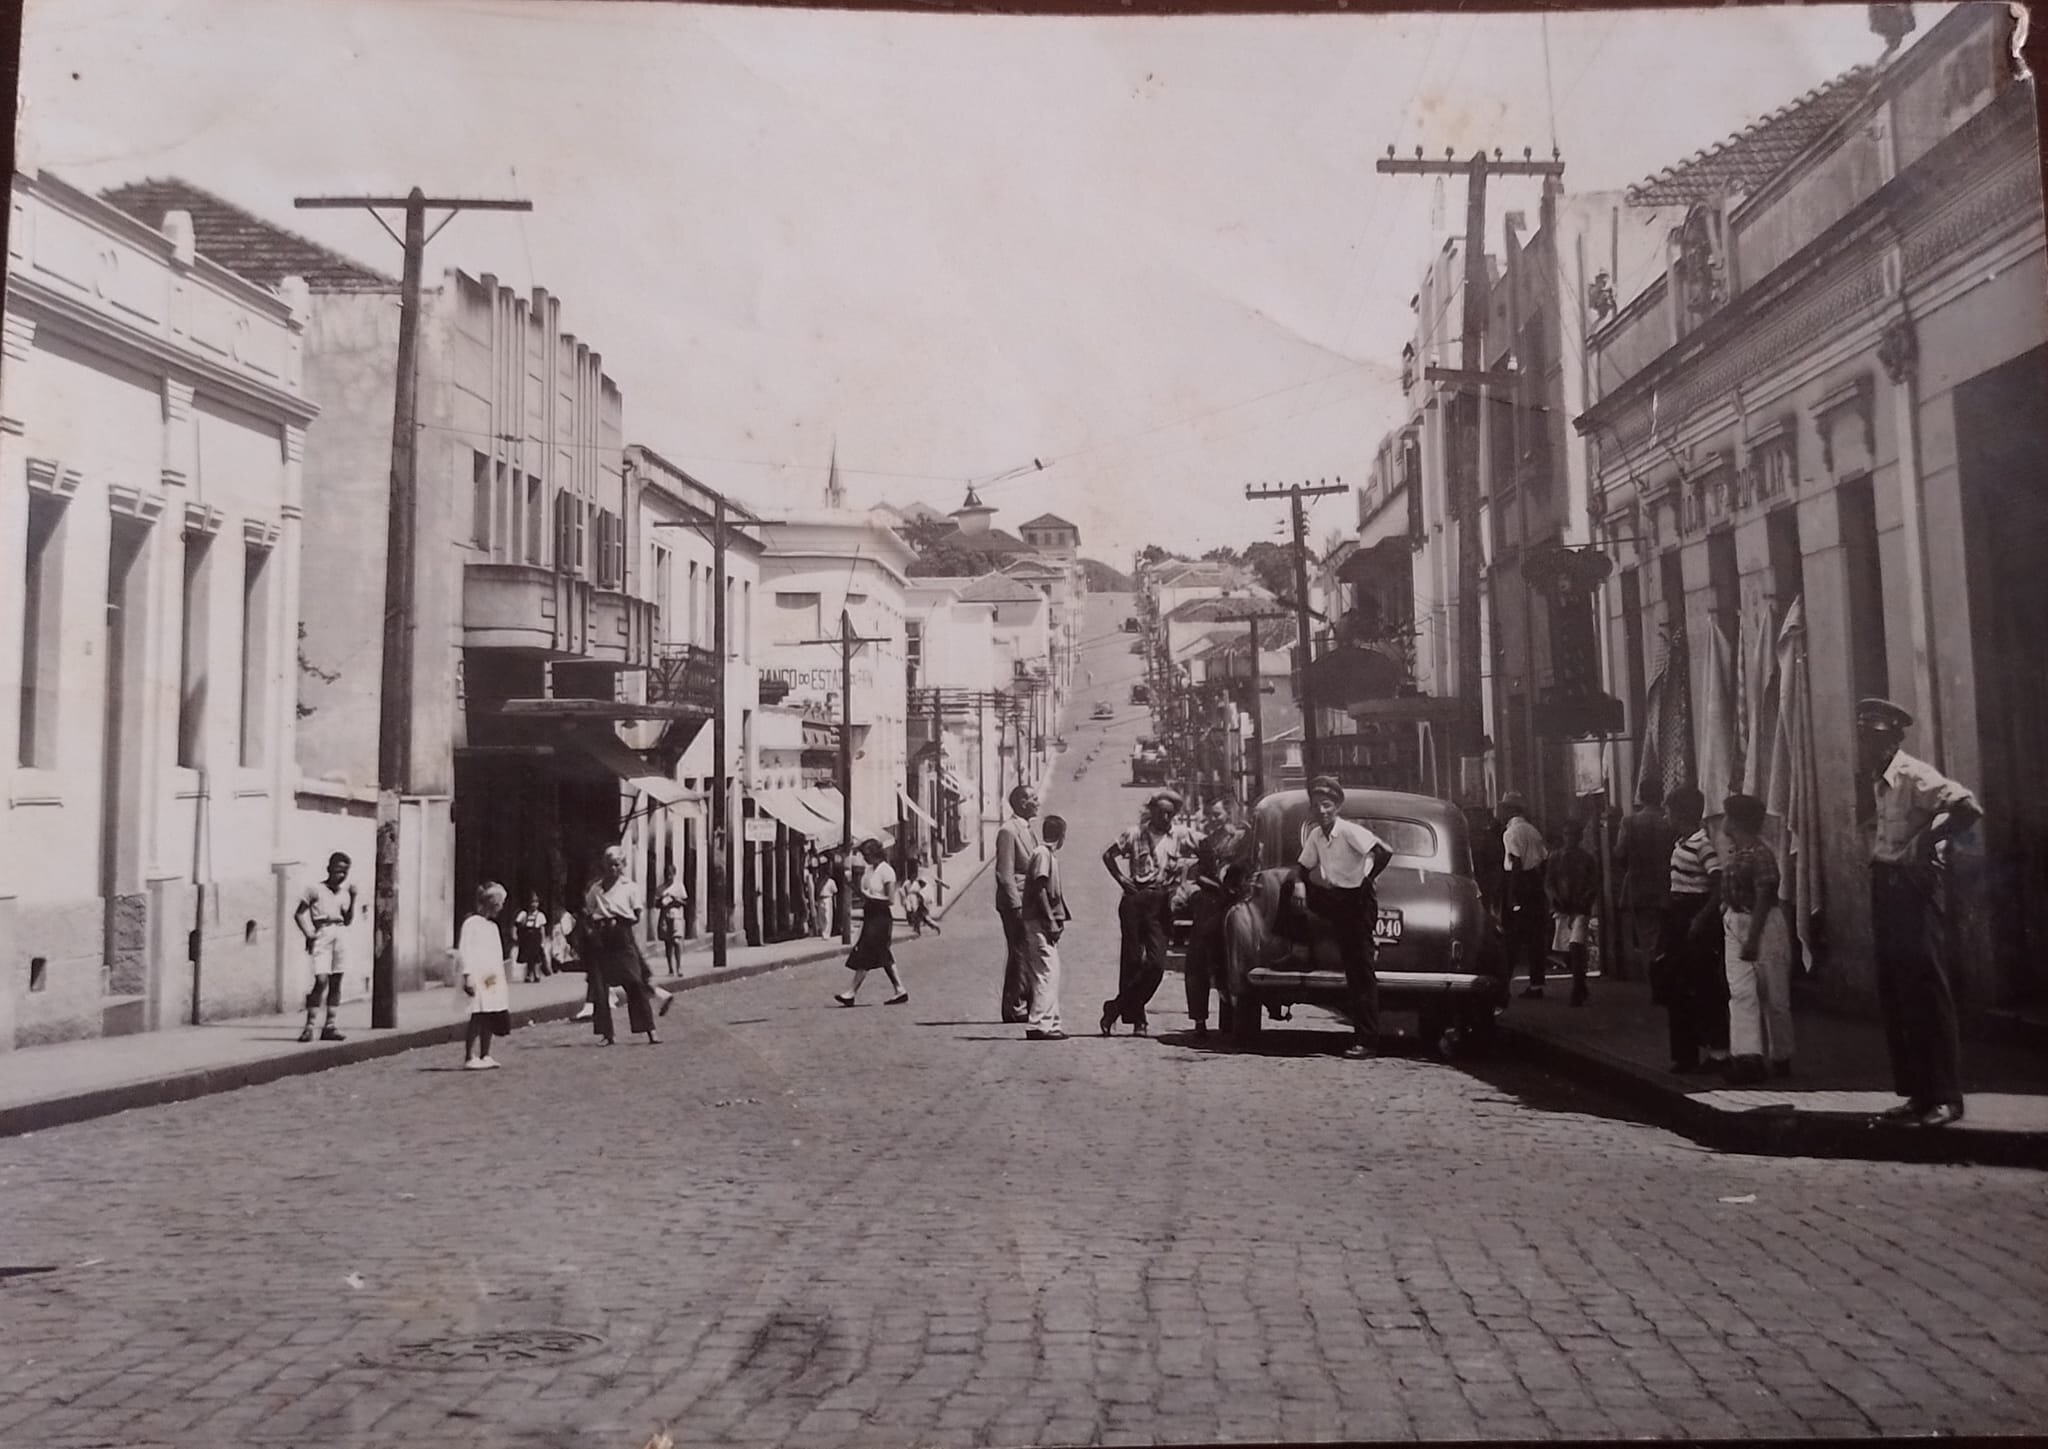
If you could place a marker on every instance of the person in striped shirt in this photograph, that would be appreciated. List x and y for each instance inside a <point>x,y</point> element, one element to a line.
<point>1695,983</point>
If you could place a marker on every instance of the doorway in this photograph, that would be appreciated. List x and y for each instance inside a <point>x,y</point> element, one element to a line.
<point>2001,436</point>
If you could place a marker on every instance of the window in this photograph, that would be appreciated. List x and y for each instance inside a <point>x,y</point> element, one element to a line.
<point>1726,584</point>
<point>505,529</point>
<point>608,547</point>
<point>1671,567</point>
<point>658,591</point>
<point>1788,568</point>
<point>480,501</point>
<point>41,603</point>
<point>747,621</point>
<point>192,650</point>
<point>797,617</point>
<point>732,632</point>
<point>255,652</point>
<point>913,652</point>
<point>1869,672</point>
<point>534,522</point>
<point>568,528</point>
<point>695,635</point>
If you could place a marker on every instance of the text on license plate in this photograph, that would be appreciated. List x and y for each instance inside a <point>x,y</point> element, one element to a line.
<point>1387,927</point>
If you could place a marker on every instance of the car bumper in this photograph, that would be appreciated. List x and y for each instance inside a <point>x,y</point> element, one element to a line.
<point>1393,985</point>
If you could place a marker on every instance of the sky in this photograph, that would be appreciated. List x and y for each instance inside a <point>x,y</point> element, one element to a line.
<point>1151,254</point>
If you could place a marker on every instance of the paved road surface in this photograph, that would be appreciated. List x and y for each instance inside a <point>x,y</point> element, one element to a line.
<point>797,1224</point>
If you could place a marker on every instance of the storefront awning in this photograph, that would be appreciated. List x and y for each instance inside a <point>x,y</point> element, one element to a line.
<point>914,808</point>
<point>606,751</point>
<point>786,806</point>
<point>826,800</point>
<point>1355,672</point>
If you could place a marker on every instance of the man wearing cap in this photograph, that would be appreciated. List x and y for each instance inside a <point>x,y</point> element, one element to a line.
<point>1526,910</point>
<point>1340,859</point>
<point>1016,842</point>
<point>1917,811</point>
<point>1147,863</point>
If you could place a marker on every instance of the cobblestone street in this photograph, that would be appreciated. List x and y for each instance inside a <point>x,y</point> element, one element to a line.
<point>792,1223</point>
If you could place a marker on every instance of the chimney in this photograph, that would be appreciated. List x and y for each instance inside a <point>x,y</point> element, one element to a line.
<point>1892,24</point>
<point>178,228</point>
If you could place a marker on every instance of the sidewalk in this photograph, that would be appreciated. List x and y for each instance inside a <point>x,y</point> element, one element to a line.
<point>1842,1077</point>
<point>50,1086</point>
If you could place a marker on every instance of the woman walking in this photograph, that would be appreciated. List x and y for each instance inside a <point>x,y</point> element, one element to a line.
<point>1757,950</point>
<point>530,934</point>
<point>611,957</point>
<point>871,951</point>
<point>486,978</point>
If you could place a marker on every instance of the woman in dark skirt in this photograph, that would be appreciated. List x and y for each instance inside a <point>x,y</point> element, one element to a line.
<point>610,952</point>
<point>871,950</point>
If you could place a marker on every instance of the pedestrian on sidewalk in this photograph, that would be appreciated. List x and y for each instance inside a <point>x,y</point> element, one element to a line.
<point>672,907</point>
<point>530,938</point>
<point>1571,881</point>
<point>917,904</point>
<point>486,978</point>
<point>1643,847</point>
<point>1045,921</point>
<point>1757,949</point>
<point>1222,858</point>
<point>1526,910</point>
<point>1147,864</point>
<point>1016,842</point>
<point>871,952</point>
<point>1339,862</point>
<point>612,957</point>
<point>1918,811</point>
<point>1690,959</point>
<point>827,896</point>
<point>326,909</point>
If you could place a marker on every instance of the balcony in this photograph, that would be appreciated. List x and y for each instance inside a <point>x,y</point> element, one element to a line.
<point>535,609</point>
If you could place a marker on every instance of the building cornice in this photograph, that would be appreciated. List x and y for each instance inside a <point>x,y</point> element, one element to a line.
<point>99,332</point>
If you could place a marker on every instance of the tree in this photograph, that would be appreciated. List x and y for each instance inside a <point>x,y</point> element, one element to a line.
<point>1152,553</point>
<point>1272,564</point>
<point>1222,553</point>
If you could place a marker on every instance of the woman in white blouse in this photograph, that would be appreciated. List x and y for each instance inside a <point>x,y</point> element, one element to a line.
<point>611,956</point>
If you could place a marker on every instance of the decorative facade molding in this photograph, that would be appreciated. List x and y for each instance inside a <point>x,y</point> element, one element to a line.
<point>1854,397</point>
<point>17,336</point>
<point>260,532</point>
<point>294,443</point>
<point>178,396</point>
<point>1898,351</point>
<point>124,500</point>
<point>290,512</point>
<point>50,477</point>
<point>203,519</point>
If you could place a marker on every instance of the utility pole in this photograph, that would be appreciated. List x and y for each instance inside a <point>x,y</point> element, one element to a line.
<point>846,639</point>
<point>401,531</point>
<point>1258,772</point>
<point>718,883</point>
<point>1294,494</point>
<point>1464,453</point>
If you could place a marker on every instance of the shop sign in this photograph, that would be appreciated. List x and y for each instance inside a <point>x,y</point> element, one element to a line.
<point>760,830</point>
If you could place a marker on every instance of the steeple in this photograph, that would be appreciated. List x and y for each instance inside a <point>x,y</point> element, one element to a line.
<point>972,515</point>
<point>835,491</point>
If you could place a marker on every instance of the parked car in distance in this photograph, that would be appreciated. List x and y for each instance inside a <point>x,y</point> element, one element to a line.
<point>1141,694</point>
<point>1102,711</point>
<point>1131,624</point>
<point>1148,763</point>
<point>1439,952</point>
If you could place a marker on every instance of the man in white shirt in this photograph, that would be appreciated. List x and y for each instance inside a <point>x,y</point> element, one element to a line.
<point>1340,859</point>
<point>1527,921</point>
<point>1016,842</point>
<point>326,909</point>
<point>1917,810</point>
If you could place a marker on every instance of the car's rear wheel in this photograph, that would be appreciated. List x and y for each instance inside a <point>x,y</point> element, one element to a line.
<point>1440,1034</point>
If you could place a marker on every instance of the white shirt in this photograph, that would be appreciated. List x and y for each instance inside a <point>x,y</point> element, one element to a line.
<point>1341,859</point>
<point>1908,795</point>
<point>328,909</point>
<point>1523,844</point>
<point>878,882</point>
<point>482,951</point>
<point>620,901</point>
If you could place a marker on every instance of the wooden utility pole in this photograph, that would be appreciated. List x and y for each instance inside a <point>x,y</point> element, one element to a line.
<point>401,530</point>
<point>1465,459</point>
<point>1294,494</point>
<point>1258,771</point>
<point>846,639</point>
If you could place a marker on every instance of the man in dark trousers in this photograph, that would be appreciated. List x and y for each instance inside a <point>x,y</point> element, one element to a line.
<point>1689,975</point>
<point>1016,842</point>
<point>1525,913</point>
<point>1917,810</point>
<point>1642,850</point>
<point>1339,861</point>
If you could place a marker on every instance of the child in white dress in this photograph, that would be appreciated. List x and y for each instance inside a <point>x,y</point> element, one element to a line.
<point>486,978</point>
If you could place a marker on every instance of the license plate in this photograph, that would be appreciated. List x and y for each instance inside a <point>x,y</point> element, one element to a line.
<point>1388,927</point>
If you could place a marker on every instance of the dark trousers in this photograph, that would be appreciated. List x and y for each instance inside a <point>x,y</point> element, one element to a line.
<point>618,963</point>
<point>1527,926</point>
<point>1205,950</point>
<point>1141,920</point>
<point>1694,982</point>
<point>1913,991</point>
<point>1016,975</point>
<point>1352,915</point>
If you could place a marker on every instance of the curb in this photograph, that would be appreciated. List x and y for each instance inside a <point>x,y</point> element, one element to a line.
<point>1768,1133</point>
<point>209,1081</point>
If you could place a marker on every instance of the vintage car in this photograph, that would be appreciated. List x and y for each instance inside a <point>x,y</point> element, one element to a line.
<point>1102,711</point>
<point>1148,763</point>
<point>1130,623</point>
<point>1440,955</point>
<point>1141,694</point>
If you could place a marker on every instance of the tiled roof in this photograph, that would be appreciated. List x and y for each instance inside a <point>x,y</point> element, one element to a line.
<point>1195,610</point>
<point>1275,633</point>
<point>1749,158</point>
<point>245,243</point>
<point>999,589</point>
<point>1050,520</point>
<point>1033,564</point>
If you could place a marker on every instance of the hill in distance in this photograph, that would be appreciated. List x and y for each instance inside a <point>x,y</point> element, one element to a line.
<point>1102,579</point>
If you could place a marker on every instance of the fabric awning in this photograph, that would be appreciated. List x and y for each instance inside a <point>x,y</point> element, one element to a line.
<point>914,808</point>
<point>825,799</point>
<point>616,759</point>
<point>787,807</point>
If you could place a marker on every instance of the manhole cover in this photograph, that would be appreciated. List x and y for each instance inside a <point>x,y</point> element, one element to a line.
<point>489,1350</point>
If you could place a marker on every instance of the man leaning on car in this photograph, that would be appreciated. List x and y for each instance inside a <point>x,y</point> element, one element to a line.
<point>1340,860</point>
